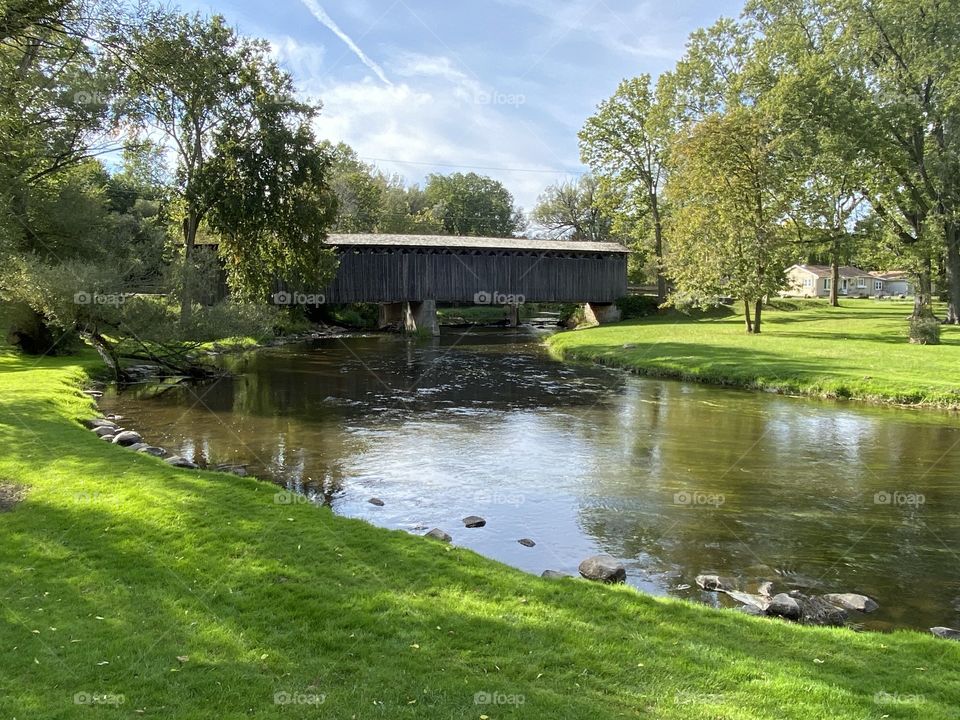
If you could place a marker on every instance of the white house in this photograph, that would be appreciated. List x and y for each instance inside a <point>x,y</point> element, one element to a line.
<point>815,281</point>
<point>895,282</point>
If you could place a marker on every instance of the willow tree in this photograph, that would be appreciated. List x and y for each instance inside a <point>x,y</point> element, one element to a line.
<point>730,226</point>
<point>624,143</point>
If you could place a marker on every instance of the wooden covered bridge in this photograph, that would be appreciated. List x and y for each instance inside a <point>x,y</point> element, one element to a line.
<point>408,274</point>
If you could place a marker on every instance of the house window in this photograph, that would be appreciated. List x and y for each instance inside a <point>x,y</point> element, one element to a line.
<point>807,282</point>
<point>878,284</point>
<point>826,283</point>
<point>861,282</point>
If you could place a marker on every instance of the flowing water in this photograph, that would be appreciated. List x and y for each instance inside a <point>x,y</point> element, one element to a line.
<point>674,479</point>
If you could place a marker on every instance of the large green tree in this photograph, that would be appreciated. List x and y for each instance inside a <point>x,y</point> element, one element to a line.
<point>625,144</point>
<point>572,210</point>
<point>472,204</point>
<point>246,160</point>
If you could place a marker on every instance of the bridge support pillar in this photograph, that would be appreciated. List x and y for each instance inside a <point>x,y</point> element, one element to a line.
<point>391,315</point>
<point>601,313</point>
<point>421,317</point>
<point>512,313</point>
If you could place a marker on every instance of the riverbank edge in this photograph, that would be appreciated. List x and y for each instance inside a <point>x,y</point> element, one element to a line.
<point>63,406</point>
<point>617,357</point>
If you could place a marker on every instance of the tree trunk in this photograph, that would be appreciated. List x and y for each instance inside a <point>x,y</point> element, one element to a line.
<point>189,242</point>
<point>756,316</point>
<point>835,273</point>
<point>921,298</point>
<point>106,352</point>
<point>746,315</point>
<point>658,248</point>
<point>953,273</point>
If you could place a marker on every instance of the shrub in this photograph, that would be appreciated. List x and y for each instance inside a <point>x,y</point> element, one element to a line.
<point>925,330</point>
<point>637,306</point>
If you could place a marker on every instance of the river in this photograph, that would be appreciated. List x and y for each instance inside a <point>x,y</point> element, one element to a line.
<point>674,479</point>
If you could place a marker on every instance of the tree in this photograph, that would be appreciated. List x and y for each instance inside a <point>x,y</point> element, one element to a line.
<point>359,190</point>
<point>571,210</point>
<point>891,63</point>
<point>729,228</point>
<point>625,145</point>
<point>472,204</point>
<point>244,153</point>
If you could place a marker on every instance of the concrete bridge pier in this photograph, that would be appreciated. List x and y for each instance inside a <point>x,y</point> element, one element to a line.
<point>391,316</point>
<point>512,313</point>
<point>601,313</point>
<point>411,317</point>
<point>421,317</point>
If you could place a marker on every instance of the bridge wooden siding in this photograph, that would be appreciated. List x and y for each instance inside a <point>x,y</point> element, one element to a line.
<point>414,268</point>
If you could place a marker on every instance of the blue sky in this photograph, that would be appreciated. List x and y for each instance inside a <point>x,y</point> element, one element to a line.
<point>496,86</point>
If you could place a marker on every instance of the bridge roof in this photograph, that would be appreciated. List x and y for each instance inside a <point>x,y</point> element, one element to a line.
<point>463,241</point>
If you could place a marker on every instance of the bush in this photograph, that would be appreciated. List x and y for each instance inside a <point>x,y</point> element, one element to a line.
<point>637,306</point>
<point>925,330</point>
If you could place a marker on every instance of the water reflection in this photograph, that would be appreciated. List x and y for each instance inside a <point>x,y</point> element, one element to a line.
<point>675,479</point>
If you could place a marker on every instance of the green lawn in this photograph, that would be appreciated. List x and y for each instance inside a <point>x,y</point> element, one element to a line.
<point>858,350</point>
<point>198,595</point>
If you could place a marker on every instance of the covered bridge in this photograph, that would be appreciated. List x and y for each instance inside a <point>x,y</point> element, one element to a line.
<point>409,274</point>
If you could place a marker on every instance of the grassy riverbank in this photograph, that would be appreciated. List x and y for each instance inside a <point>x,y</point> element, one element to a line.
<point>190,594</point>
<point>858,350</point>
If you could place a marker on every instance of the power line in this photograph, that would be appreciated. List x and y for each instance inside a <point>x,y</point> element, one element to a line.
<point>472,167</point>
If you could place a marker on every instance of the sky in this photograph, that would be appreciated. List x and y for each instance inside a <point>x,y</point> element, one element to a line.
<point>499,87</point>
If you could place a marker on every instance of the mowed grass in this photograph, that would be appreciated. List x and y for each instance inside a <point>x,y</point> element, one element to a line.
<point>859,350</point>
<point>196,595</point>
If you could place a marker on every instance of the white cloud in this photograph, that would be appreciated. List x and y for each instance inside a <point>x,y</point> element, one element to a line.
<point>439,120</point>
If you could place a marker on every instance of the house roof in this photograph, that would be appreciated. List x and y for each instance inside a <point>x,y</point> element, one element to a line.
<point>824,271</point>
<point>892,275</point>
<point>460,241</point>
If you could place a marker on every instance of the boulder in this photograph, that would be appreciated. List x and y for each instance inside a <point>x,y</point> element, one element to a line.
<point>852,601</point>
<point>474,521</point>
<point>715,582</point>
<point>108,438</point>
<point>603,568</point>
<point>526,542</point>
<point>94,423</point>
<point>946,633</point>
<point>438,534</point>
<point>127,437</point>
<point>782,605</point>
<point>376,501</point>
<point>239,470</point>
<point>553,574</point>
<point>151,450</point>
<point>181,462</point>
<point>137,447</point>
<point>814,610</point>
<point>756,601</point>
<point>105,430</point>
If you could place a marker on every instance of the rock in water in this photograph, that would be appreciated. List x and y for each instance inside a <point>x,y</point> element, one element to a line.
<point>603,568</point>
<point>104,430</point>
<point>155,451</point>
<point>756,601</point>
<point>715,582</point>
<point>137,447</point>
<point>474,521</point>
<point>95,423</point>
<point>127,437</point>
<point>438,534</point>
<point>815,610</point>
<point>946,633</point>
<point>553,574</point>
<point>376,501</point>
<point>782,605</point>
<point>181,462</point>
<point>526,542</point>
<point>852,601</point>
